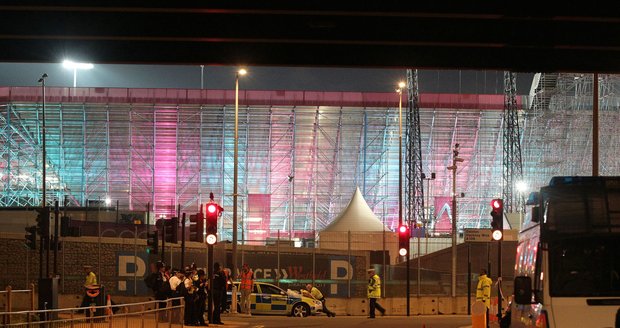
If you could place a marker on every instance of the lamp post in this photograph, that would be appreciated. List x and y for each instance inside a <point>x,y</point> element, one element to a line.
<point>455,159</point>
<point>42,81</point>
<point>240,72</point>
<point>401,85</point>
<point>75,66</point>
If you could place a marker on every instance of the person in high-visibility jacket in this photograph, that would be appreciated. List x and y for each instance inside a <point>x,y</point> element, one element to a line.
<point>374,293</point>
<point>483,291</point>
<point>91,289</point>
<point>315,293</point>
<point>245,287</point>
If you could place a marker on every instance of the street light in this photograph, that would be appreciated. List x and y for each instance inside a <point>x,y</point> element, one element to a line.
<point>453,168</point>
<point>521,187</point>
<point>401,85</point>
<point>240,72</point>
<point>75,66</point>
<point>42,81</point>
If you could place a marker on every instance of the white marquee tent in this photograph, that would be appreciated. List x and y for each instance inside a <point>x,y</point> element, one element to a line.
<point>358,228</point>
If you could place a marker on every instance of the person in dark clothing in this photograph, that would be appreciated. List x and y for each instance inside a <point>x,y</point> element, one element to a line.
<point>219,289</point>
<point>158,283</point>
<point>187,289</point>
<point>201,299</point>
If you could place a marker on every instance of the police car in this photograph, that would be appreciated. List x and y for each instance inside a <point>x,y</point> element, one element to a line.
<point>270,299</point>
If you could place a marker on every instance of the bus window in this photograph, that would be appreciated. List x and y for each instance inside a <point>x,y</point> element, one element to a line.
<point>584,267</point>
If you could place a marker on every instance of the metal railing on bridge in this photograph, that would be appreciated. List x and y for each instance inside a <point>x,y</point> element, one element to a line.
<point>160,313</point>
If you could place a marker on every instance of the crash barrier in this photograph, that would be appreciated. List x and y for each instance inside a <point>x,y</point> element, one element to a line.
<point>165,313</point>
<point>9,295</point>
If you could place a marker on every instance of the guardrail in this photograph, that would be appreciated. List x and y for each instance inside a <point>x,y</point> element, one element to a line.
<point>165,313</point>
<point>8,296</point>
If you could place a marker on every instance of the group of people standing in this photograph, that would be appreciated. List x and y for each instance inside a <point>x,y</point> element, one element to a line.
<point>193,285</point>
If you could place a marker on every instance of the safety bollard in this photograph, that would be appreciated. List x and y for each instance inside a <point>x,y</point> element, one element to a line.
<point>233,300</point>
<point>478,315</point>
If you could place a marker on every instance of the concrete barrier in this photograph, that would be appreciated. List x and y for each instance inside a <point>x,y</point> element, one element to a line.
<point>478,315</point>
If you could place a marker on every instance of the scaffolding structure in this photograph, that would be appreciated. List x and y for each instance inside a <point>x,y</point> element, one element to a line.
<point>513,169</point>
<point>557,137</point>
<point>415,189</point>
<point>301,154</point>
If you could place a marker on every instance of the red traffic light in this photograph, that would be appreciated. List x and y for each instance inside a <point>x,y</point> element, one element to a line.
<point>403,240</point>
<point>497,218</point>
<point>211,208</point>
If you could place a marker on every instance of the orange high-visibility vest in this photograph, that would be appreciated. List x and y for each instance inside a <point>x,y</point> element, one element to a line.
<point>246,280</point>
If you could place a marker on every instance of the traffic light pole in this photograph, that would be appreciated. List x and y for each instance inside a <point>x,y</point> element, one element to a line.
<point>47,256</point>
<point>148,218</point>
<point>210,272</point>
<point>499,280</point>
<point>183,241</point>
<point>56,217</point>
<point>163,242</point>
<point>41,241</point>
<point>408,283</point>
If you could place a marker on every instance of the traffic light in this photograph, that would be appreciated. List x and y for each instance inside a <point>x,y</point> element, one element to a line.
<point>152,242</point>
<point>31,237</point>
<point>403,240</point>
<point>172,230</point>
<point>196,227</point>
<point>497,218</point>
<point>43,221</point>
<point>212,212</point>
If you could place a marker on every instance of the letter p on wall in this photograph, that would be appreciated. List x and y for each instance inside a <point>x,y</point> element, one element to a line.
<point>339,270</point>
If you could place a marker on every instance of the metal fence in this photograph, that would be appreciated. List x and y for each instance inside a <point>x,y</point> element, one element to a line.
<point>9,297</point>
<point>168,313</point>
<point>340,272</point>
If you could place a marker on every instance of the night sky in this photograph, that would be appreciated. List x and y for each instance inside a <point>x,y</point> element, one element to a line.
<point>259,78</point>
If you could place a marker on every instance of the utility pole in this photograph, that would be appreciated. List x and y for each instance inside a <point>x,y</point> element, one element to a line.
<point>453,168</point>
